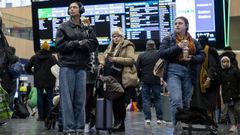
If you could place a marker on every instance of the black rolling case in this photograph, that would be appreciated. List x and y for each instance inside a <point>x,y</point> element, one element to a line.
<point>103,115</point>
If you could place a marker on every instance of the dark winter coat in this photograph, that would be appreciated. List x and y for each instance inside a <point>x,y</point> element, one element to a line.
<point>209,98</point>
<point>145,64</point>
<point>41,63</point>
<point>7,57</point>
<point>230,84</point>
<point>169,51</point>
<point>71,53</point>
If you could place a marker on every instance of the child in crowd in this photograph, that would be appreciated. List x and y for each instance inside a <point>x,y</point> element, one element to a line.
<point>230,77</point>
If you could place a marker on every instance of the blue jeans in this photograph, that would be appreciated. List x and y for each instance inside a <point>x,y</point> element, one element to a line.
<point>179,84</point>
<point>72,86</point>
<point>42,105</point>
<point>149,90</point>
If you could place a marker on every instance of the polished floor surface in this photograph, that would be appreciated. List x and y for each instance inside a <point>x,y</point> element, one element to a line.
<point>134,126</point>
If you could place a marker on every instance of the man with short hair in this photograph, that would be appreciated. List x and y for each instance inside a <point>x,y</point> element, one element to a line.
<point>150,84</point>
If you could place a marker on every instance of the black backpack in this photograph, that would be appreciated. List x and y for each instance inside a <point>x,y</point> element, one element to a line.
<point>21,110</point>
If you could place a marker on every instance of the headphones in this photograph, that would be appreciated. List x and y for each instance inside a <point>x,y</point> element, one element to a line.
<point>81,8</point>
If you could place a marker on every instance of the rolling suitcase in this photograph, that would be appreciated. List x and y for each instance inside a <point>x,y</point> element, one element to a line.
<point>103,115</point>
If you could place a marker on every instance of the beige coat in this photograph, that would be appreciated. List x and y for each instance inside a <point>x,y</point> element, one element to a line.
<point>125,55</point>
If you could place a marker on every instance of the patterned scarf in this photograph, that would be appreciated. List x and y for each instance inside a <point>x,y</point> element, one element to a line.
<point>191,45</point>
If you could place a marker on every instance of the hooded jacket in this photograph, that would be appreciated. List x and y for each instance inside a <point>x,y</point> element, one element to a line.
<point>230,82</point>
<point>41,63</point>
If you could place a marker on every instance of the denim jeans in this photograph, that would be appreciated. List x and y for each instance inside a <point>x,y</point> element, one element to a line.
<point>42,105</point>
<point>179,84</point>
<point>149,90</point>
<point>72,85</point>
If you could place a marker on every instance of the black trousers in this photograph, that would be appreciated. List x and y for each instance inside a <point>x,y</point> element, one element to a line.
<point>90,99</point>
<point>119,109</point>
<point>130,93</point>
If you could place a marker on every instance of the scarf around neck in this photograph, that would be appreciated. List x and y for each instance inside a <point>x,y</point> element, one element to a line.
<point>191,45</point>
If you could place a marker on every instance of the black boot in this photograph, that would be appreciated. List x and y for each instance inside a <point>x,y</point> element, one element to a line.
<point>119,126</point>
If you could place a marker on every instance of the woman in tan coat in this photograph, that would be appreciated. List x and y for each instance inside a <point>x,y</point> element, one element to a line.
<point>118,61</point>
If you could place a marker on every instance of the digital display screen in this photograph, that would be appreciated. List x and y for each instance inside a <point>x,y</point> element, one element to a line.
<point>140,20</point>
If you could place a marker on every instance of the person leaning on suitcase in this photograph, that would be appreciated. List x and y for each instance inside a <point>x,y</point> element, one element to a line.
<point>119,54</point>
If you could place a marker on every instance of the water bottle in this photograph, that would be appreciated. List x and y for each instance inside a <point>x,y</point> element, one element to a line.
<point>185,50</point>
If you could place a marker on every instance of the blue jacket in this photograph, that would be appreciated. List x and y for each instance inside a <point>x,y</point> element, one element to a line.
<point>170,51</point>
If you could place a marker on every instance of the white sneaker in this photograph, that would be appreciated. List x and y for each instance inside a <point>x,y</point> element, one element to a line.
<point>159,122</point>
<point>86,128</point>
<point>147,123</point>
<point>233,128</point>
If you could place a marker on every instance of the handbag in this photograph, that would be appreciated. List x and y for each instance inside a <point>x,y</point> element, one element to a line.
<point>116,69</point>
<point>129,76</point>
<point>159,68</point>
<point>108,87</point>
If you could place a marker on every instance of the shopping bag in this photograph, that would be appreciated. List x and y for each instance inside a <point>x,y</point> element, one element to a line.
<point>5,112</point>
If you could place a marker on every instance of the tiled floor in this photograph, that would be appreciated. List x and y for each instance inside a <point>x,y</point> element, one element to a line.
<point>134,126</point>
